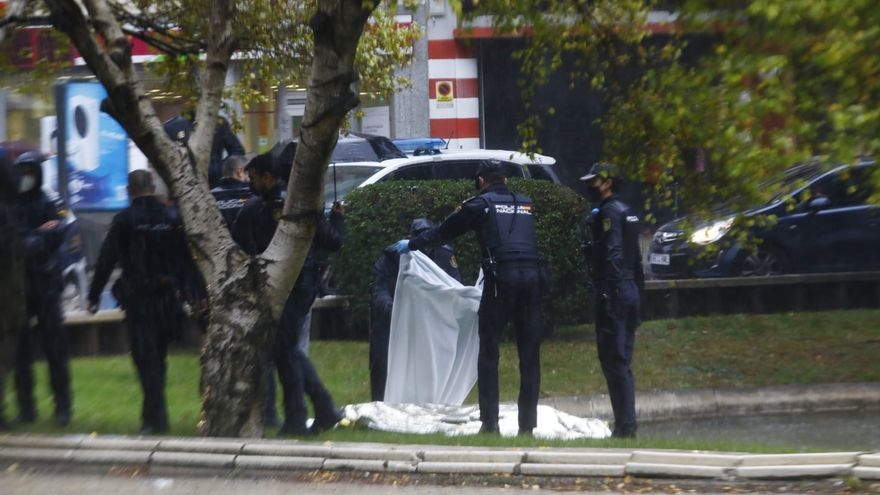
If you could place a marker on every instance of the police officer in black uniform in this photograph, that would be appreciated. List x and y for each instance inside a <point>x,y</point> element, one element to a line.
<point>180,127</point>
<point>253,230</point>
<point>385,272</point>
<point>505,226</point>
<point>617,280</point>
<point>41,228</point>
<point>12,281</point>
<point>233,190</point>
<point>147,239</point>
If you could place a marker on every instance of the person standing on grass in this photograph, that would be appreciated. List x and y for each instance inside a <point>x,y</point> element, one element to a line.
<point>253,231</point>
<point>617,279</point>
<point>505,227</point>
<point>12,302</point>
<point>147,239</point>
<point>42,230</point>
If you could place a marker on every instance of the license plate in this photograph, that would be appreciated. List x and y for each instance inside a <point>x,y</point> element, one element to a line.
<point>658,259</point>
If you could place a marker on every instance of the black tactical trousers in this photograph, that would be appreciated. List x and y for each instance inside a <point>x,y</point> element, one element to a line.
<point>380,336</point>
<point>47,311</point>
<point>617,312</point>
<point>152,322</point>
<point>514,296</point>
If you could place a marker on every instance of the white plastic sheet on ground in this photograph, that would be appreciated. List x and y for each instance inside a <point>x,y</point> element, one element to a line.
<point>465,420</point>
<point>432,352</point>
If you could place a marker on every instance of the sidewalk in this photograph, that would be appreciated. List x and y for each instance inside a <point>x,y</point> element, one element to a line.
<point>219,457</point>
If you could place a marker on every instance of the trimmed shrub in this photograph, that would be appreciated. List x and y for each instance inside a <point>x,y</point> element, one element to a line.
<point>379,215</point>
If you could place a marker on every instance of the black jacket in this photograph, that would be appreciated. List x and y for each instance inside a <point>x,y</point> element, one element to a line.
<point>179,129</point>
<point>147,239</point>
<point>616,254</point>
<point>42,247</point>
<point>231,195</point>
<point>256,223</point>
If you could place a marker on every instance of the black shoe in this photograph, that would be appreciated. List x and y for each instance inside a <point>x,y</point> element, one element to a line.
<point>149,429</point>
<point>324,423</point>
<point>62,418</point>
<point>525,432</point>
<point>293,430</point>
<point>491,428</point>
<point>626,433</point>
<point>26,417</point>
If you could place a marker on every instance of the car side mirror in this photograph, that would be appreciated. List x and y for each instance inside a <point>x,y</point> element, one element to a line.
<point>818,203</point>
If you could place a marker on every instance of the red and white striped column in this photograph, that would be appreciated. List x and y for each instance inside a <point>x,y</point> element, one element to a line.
<point>454,105</point>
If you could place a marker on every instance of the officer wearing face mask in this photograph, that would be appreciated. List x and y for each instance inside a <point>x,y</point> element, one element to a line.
<point>253,231</point>
<point>43,233</point>
<point>617,280</point>
<point>505,227</point>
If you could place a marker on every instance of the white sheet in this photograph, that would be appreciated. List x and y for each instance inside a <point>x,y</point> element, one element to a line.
<point>433,347</point>
<point>465,420</point>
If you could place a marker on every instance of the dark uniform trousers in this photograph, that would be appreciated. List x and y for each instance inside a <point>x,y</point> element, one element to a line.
<point>617,316</point>
<point>152,321</point>
<point>295,370</point>
<point>515,295</point>
<point>46,307</point>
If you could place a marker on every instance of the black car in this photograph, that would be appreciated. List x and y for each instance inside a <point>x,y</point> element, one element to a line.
<point>818,220</point>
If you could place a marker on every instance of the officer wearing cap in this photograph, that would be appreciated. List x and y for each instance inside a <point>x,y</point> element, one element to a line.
<point>617,278</point>
<point>42,230</point>
<point>385,271</point>
<point>505,227</point>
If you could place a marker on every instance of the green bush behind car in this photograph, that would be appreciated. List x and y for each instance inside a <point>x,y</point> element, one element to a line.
<point>379,215</point>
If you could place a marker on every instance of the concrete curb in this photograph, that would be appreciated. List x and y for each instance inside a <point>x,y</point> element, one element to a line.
<point>663,405</point>
<point>270,456</point>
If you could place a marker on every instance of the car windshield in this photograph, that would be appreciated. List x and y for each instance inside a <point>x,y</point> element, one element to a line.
<point>340,180</point>
<point>791,181</point>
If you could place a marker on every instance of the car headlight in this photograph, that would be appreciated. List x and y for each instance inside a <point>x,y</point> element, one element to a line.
<point>711,232</point>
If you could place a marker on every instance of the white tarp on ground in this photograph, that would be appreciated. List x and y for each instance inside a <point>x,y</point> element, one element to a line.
<point>432,352</point>
<point>465,420</point>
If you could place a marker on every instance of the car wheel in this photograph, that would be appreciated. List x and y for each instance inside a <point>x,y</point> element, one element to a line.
<point>763,262</point>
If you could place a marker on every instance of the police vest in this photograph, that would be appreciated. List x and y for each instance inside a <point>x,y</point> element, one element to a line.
<point>509,233</point>
<point>155,242</point>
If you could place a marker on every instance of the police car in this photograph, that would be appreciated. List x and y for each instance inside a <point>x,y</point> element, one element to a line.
<point>342,178</point>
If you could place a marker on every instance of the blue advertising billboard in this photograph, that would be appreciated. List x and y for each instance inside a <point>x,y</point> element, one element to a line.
<point>92,149</point>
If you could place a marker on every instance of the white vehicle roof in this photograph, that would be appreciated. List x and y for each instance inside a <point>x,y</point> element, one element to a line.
<point>342,177</point>
<point>450,155</point>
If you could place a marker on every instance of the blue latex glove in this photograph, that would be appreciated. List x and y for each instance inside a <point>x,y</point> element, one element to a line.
<point>402,246</point>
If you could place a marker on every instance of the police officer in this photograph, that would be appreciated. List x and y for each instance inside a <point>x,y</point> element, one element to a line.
<point>180,127</point>
<point>41,228</point>
<point>233,190</point>
<point>617,278</point>
<point>253,230</point>
<point>505,227</point>
<point>12,281</point>
<point>147,239</point>
<point>385,272</point>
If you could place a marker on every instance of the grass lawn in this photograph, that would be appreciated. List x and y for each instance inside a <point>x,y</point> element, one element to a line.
<point>702,352</point>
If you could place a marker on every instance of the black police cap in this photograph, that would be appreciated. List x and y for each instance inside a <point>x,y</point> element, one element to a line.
<point>604,170</point>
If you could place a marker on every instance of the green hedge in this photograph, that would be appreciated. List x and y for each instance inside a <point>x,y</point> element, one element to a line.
<point>379,215</point>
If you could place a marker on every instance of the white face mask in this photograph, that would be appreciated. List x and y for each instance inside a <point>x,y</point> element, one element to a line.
<point>27,183</point>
